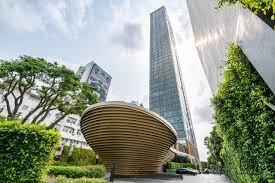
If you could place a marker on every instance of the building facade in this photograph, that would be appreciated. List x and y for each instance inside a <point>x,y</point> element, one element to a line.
<point>95,76</point>
<point>167,96</point>
<point>214,29</point>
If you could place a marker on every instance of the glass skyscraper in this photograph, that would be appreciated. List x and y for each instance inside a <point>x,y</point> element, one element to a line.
<point>167,93</point>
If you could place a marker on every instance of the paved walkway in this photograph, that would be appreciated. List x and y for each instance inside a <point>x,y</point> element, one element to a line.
<point>186,179</point>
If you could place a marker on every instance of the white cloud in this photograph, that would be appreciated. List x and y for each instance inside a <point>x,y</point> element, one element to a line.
<point>130,37</point>
<point>66,17</point>
<point>61,61</point>
<point>20,15</point>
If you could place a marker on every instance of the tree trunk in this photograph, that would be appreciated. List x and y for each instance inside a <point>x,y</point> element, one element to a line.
<point>57,121</point>
<point>31,113</point>
<point>18,101</point>
<point>43,101</point>
<point>45,115</point>
<point>8,105</point>
<point>46,109</point>
<point>6,95</point>
<point>38,115</point>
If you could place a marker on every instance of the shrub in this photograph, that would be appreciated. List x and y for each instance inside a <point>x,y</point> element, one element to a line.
<point>244,122</point>
<point>80,156</point>
<point>175,165</point>
<point>25,151</point>
<point>87,157</point>
<point>2,118</point>
<point>78,171</point>
<point>61,179</point>
<point>60,163</point>
<point>65,154</point>
<point>99,170</point>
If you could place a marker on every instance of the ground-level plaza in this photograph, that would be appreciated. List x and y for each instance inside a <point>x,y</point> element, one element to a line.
<point>186,179</point>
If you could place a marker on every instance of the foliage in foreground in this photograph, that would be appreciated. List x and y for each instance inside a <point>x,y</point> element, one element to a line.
<point>80,156</point>
<point>25,151</point>
<point>62,179</point>
<point>78,171</point>
<point>264,6</point>
<point>243,121</point>
<point>175,165</point>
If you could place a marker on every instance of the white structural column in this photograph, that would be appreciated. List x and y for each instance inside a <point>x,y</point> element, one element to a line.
<point>214,29</point>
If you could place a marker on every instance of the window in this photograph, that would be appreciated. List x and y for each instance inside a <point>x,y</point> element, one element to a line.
<point>71,120</point>
<point>25,107</point>
<point>68,129</point>
<point>78,132</point>
<point>57,116</point>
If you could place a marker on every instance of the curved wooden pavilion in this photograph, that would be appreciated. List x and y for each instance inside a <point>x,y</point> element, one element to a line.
<point>133,138</point>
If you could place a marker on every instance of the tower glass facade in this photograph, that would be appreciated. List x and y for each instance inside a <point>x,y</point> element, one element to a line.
<point>167,94</point>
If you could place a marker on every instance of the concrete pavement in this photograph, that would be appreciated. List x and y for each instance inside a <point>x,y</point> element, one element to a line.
<point>201,178</point>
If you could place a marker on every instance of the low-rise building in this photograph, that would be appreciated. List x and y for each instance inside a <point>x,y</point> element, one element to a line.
<point>69,127</point>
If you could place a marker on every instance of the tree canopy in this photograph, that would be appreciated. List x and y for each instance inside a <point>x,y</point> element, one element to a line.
<point>55,87</point>
<point>214,145</point>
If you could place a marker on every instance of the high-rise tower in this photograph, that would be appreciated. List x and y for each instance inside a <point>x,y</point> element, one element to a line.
<point>167,93</point>
<point>95,76</point>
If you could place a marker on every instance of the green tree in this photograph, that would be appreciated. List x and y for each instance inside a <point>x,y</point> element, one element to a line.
<point>17,77</point>
<point>214,145</point>
<point>55,87</point>
<point>75,102</point>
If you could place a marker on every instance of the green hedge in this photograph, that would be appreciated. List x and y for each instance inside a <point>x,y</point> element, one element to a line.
<point>78,171</point>
<point>65,154</point>
<point>80,156</point>
<point>175,165</point>
<point>243,121</point>
<point>61,179</point>
<point>25,151</point>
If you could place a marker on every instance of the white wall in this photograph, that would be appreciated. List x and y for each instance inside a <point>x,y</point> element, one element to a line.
<point>213,29</point>
<point>69,137</point>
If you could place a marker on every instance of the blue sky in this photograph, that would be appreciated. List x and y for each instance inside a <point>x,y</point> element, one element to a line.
<point>114,34</point>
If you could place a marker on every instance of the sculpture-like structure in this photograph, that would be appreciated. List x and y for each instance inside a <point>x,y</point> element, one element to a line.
<point>134,139</point>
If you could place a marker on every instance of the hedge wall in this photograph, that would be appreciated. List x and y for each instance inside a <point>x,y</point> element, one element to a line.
<point>62,179</point>
<point>78,171</point>
<point>175,165</point>
<point>25,151</point>
<point>80,156</point>
<point>244,122</point>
